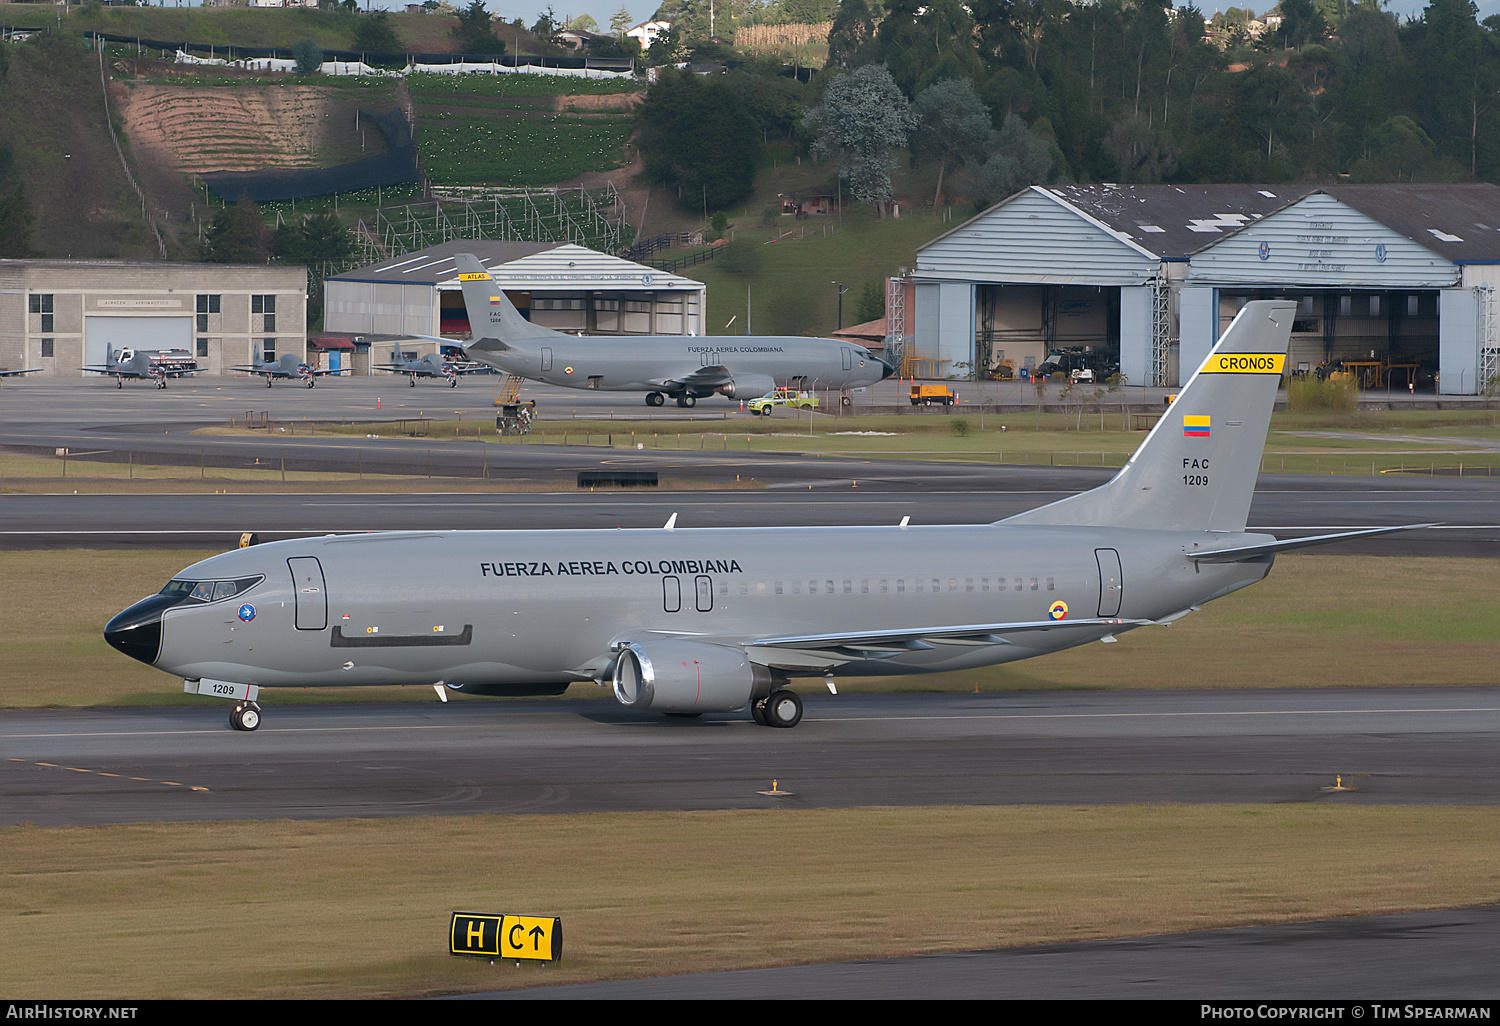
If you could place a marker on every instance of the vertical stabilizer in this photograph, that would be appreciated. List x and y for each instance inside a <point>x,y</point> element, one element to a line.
<point>492,317</point>
<point>1196,470</point>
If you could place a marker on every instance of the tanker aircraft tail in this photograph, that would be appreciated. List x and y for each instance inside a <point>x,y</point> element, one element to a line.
<point>1197,468</point>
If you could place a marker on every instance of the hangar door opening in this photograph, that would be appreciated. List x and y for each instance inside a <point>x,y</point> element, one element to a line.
<point>1018,328</point>
<point>105,336</point>
<point>1383,339</point>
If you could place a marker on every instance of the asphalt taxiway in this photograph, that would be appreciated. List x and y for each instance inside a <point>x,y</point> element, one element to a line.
<point>473,755</point>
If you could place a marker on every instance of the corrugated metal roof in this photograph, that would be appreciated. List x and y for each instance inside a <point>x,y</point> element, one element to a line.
<point>519,265</point>
<point>1175,221</point>
<point>1459,222</point>
<point>569,266</point>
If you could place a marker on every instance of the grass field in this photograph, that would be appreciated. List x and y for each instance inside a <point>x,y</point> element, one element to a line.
<point>1310,624</point>
<point>359,908</point>
<point>523,149</point>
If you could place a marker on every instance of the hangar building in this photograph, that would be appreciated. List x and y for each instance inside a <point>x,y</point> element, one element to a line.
<point>62,314</point>
<point>1394,283</point>
<point>559,285</point>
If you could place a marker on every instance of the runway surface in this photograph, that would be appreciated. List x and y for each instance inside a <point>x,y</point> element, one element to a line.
<point>1390,746</point>
<point>1446,956</point>
<point>146,424</point>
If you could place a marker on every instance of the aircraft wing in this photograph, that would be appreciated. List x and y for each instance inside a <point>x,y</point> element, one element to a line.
<point>256,370</point>
<point>11,374</point>
<point>844,646</point>
<point>703,377</point>
<point>1247,552</point>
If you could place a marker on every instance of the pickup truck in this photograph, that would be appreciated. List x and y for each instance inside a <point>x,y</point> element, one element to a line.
<point>926,395</point>
<point>782,397</point>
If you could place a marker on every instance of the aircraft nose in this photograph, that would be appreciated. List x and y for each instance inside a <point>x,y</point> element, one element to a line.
<point>888,368</point>
<point>136,631</point>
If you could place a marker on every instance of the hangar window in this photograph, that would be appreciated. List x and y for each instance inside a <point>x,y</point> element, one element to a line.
<point>265,306</point>
<point>268,350</point>
<point>1374,306</point>
<point>42,304</point>
<point>1411,306</point>
<point>1346,306</point>
<point>47,347</point>
<point>203,347</point>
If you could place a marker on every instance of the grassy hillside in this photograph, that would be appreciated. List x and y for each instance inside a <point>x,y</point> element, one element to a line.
<point>790,265</point>
<point>52,119</point>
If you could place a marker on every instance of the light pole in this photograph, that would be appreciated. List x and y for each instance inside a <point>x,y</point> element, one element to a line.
<point>842,289</point>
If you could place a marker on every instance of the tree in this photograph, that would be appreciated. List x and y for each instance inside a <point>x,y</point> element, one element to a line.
<point>851,40</point>
<point>953,127</point>
<point>1020,158</point>
<point>15,224</point>
<point>236,236</point>
<point>473,34</point>
<point>862,119</point>
<point>696,134</point>
<point>546,25</point>
<point>666,49</point>
<point>621,22</point>
<point>375,34</point>
<point>307,55</point>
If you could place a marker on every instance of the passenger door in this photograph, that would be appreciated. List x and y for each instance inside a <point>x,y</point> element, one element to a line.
<point>311,594</point>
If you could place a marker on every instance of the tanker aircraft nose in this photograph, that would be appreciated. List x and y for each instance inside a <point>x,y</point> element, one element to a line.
<point>888,367</point>
<point>136,631</point>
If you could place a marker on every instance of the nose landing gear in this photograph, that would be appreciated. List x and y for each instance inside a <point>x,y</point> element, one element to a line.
<point>244,716</point>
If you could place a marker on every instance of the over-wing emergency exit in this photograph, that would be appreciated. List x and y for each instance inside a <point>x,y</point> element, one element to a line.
<point>685,621</point>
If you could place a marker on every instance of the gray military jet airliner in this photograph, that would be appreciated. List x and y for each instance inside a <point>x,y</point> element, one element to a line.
<point>144,364</point>
<point>684,367</point>
<point>430,366</point>
<point>288,367</point>
<point>713,620</point>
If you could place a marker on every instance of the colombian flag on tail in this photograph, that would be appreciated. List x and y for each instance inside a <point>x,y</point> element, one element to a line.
<point>1195,426</point>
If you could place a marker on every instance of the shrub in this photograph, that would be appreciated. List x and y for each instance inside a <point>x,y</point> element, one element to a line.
<point>1312,393</point>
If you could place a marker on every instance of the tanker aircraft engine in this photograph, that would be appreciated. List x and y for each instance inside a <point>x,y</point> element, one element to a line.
<point>689,621</point>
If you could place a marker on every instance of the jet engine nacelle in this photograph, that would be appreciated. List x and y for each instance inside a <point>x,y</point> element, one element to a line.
<point>749,386</point>
<point>687,676</point>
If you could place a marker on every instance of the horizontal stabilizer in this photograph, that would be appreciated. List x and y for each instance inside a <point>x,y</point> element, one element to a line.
<point>1248,552</point>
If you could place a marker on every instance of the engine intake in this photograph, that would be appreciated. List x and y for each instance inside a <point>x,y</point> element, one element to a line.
<point>749,386</point>
<point>687,676</point>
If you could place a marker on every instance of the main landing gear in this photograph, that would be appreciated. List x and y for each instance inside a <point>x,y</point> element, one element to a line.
<point>655,399</point>
<point>781,708</point>
<point>686,401</point>
<point>244,716</point>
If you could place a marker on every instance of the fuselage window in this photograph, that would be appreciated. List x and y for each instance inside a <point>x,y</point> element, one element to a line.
<point>744,587</point>
<point>1049,584</point>
<point>203,592</point>
<point>864,587</point>
<point>760,587</point>
<point>224,589</point>
<point>848,587</point>
<point>885,587</point>
<point>937,585</point>
<point>968,584</point>
<point>900,585</point>
<point>828,587</point>
<point>778,587</point>
<point>1033,584</point>
<point>984,584</point>
<point>1018,584</point>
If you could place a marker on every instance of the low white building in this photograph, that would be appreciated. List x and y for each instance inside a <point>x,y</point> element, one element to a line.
<point>559,285</point>
<point>646,32</point>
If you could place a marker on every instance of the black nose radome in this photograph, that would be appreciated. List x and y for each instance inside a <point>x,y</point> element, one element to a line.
<point>137,631</point>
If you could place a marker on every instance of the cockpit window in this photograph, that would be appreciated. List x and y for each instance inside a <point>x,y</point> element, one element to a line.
<point>210,591</point>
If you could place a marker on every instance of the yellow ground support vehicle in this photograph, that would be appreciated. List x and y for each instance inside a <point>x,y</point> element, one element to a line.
<point>782,397</point>
<point>926,395</point>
